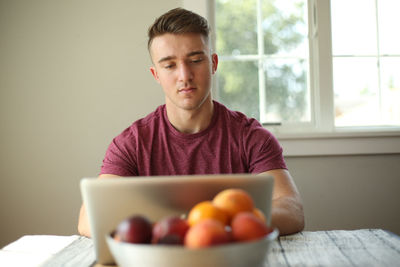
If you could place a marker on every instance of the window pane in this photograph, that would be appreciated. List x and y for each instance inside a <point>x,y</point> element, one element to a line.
<point>238,86</point>
<point>287,94</point>
<point>353,27</point>
<point>285,27</point>
<point>356,92</point>
<point>390,91</point>
<point>388,26</point>
<point>285,37</point>
<point>236,27</point>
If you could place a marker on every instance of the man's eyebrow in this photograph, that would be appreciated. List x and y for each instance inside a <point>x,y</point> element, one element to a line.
<point>166,58</point>
<point>194,53</point>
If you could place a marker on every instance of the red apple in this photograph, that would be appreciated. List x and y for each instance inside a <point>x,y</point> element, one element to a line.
<point>170,230</point>
<point>135,229</point>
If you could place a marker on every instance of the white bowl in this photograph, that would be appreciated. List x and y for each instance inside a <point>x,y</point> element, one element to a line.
<point>243,254</point>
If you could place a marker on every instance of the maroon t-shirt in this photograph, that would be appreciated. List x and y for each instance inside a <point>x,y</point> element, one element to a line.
<point>232,143</point>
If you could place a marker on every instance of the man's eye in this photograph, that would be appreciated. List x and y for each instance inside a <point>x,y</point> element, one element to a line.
<point>169,66</point>
<point>197,60</point>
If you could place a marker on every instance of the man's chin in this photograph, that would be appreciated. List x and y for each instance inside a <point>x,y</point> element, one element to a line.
<point>189,103</point>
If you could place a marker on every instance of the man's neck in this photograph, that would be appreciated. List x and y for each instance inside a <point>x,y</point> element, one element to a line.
<point>191,121</point>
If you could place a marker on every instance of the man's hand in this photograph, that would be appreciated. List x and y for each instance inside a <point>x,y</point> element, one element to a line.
<point>287,209</point>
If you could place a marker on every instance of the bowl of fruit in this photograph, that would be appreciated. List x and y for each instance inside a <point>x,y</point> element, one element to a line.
<point>225,231</point>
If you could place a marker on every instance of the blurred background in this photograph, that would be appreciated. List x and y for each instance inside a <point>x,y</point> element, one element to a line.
<point>74,74</point>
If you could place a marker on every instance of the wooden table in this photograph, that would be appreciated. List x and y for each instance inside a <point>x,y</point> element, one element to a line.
<point>365,247</point>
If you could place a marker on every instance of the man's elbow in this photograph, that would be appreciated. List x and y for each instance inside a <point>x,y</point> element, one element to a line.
<point>288,216</point>
<point>299,224</point>
<point>297,220</point>
<point>291,226</point>
<point>82,230</point>
<point>83,224</point>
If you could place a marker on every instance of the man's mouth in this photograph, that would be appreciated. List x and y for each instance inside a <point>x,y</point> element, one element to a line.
<point>186,90</point>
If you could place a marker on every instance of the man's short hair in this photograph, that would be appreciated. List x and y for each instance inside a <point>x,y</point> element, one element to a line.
<point>178,21</point>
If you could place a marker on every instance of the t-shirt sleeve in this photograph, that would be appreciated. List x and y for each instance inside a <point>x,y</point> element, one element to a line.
<point>119,158</point>
<point>263,150</point>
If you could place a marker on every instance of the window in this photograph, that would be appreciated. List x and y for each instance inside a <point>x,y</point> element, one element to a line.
<point>263,49</point>
<point>348,79</point>
<point>366,62</point>
<point>306,67</point>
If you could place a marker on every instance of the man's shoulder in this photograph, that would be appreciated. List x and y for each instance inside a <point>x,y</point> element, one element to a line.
<point>236,117</point>
<point>148,122</point>
<point>151,118</point>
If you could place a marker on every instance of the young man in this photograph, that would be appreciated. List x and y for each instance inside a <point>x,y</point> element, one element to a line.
<point>191,133</point>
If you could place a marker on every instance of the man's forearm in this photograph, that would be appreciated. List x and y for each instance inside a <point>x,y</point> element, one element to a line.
<point>287,215</point>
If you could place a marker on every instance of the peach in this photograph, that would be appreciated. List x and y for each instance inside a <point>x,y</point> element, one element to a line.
<point>260,214</point>
<point>170,230</point>
<point>246,226</point>
<point>208,232</point>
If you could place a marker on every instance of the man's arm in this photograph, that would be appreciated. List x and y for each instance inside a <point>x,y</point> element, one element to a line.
<point>287,209</point>
<point>83,223</point>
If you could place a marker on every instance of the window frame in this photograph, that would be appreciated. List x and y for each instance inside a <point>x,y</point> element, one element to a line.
<point>320,137</point>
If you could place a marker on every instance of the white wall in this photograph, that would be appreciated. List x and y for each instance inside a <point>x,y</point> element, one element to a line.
<point>73,74</point>
<point>349,192</point>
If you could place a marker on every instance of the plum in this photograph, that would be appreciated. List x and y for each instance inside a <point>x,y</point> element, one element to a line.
<point>170,230</point>
<point>135,229</point>
<point>170,240</point>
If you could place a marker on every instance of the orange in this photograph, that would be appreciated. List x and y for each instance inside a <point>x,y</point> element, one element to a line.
<point>233,201</point>
<point>260,214</point>
<point>206,210</point>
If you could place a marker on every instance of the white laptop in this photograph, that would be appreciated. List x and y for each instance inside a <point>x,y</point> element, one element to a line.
<point>109,201</point>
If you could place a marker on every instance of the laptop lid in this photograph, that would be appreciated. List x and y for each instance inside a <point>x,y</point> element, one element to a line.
<point>109,201</point>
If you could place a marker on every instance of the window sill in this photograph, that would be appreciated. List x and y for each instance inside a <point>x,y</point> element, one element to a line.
<point>340,143</point>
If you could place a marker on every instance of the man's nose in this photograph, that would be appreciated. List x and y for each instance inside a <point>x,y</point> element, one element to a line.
<point>185,72</point>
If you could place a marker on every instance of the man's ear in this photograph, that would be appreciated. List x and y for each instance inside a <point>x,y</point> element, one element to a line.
<point>155,74</point>
<point>214,58</point>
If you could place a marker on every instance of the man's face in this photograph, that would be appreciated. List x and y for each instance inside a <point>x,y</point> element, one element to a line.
<point>183,66</point>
